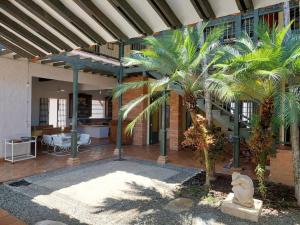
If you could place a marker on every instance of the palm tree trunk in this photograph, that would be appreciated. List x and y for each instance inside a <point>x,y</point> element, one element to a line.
<point>261,141</point>
<point>208,163</point>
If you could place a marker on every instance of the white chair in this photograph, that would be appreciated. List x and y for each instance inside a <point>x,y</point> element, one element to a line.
<point>84,139</point>
<point>61,143</point>
<point>48,141</point>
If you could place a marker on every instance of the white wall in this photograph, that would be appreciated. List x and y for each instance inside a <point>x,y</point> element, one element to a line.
<point>15,93</point>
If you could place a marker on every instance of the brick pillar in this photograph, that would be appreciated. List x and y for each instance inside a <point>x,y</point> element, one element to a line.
<point>140,129</point>
<point>175,130</point>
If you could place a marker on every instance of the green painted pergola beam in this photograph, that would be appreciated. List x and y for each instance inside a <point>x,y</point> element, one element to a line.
<point>21,16</point>
<point>62,10</point>
<point>91,9</point>
<point>51,21</point>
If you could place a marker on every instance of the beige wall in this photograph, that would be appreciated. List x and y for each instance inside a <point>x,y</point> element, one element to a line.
<point>15,92</point>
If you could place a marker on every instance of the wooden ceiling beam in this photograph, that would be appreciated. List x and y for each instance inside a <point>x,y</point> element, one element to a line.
<point>20,42</point>
<point>131,16</point>
<point>15,48</point>
<point>165,12</point>
<point>67,14</point>
<point>21,16</point>
<point>52,22</point>
<point>92,10</point>
<point>204,9</point>
<point>59,64</point>
<point>244,5</point>
<point>25,33</point>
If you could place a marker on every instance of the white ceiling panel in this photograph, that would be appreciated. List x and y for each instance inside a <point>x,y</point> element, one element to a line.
<point>185,11</point>
<point>224,7</point>
<point>148,14</point>
<point>116,18</point>
<point>63,21</point>
<point>88,20</point>
<point>264,3</point>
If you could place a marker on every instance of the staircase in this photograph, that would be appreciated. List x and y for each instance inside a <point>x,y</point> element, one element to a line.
<point>223,116</point>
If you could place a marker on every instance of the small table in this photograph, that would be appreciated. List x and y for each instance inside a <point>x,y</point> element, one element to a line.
<point>13,142</point>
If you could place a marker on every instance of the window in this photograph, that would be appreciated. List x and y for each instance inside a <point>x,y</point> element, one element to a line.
<point>44,111</point>
<point>294,15</point>
<point>137,46</point>
<point>110,46</point>
<point>270,19</point>
<point>53,112</point>
<point>98,109</point>
<point>229,32</point>
<point>248,26</point>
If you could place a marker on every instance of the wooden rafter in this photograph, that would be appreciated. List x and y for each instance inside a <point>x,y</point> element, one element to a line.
<point>204,9</point>
<point>165,12</point>
<point>91,9</point>
<point>20,42</point>
<point>131,16</point>
<point>15,48</point>
<point>62,10</point>
<point>244,5</point>
<point>21,16</point>
<point>52,22</point>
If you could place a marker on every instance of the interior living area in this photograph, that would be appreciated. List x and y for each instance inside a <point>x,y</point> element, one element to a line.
<point>52,109</point>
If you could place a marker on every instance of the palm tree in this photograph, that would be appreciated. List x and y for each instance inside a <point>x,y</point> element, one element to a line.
<point>294,125</point>
<point>182,59</point>
<point>254,71</point>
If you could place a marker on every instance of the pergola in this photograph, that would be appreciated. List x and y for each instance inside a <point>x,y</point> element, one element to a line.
<point>56,30</point>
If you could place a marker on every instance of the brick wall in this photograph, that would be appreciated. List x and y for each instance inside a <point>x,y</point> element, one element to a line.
<point>140,130</point>
<point>281,168</point>
<point>175,130</point>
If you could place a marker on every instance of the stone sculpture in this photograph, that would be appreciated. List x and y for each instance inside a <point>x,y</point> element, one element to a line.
<point>242,187</point>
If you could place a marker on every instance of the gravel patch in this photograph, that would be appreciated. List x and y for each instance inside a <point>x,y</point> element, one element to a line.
<point>53,196</point>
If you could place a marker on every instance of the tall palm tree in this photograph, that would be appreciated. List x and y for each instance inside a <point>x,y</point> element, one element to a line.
<point>294,125</point>
<point>182,59</point>
<point>254,71</point>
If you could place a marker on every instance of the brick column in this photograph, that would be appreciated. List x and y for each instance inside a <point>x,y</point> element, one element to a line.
<point>140,130</point>
<point>175,130</point>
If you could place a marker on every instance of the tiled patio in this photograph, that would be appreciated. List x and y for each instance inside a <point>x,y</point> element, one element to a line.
<point>45,162</point>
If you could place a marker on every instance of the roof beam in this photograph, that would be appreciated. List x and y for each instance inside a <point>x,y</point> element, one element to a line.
<point>5,52</point>
<point>245,5</point>
<point>52,22</point>
<point>59,64</point>
<point>25,33</point>
<point>21,16</point>
<point>62,10</point>
<point>165,12</point>
<point>15,48</point>
<point>20,42</point>
<point>204,9</point>
<point>92,10</point>
<point>131,16</point>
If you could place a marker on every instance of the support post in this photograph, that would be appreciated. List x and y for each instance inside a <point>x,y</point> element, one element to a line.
<point>162,159</point>
<point>75,112</point>
<point>119,128</point>
<point>236,133</point>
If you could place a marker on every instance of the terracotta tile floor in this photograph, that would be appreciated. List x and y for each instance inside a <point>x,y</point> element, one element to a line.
<point>7,219</point>
<point>45,162</point>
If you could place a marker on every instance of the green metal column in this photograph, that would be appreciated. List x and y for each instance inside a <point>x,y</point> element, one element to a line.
<point>256,24</point>
<point>163,130</point>
<point>75,112</point>
<point>236,135</point>
<point>119,128</point>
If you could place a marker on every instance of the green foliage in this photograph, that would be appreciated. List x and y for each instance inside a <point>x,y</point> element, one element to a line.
<point>255,72</point>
